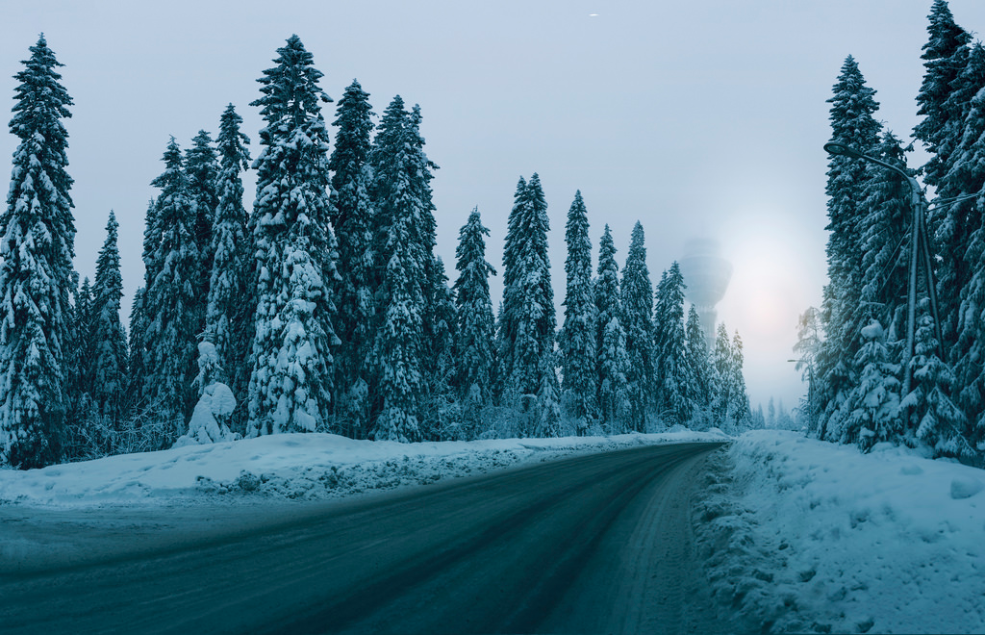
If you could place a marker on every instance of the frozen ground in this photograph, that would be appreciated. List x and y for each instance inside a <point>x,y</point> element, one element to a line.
<point>805,536</point>
<point>289,466</point>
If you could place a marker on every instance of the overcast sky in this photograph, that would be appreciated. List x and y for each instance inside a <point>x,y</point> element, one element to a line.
<point>699,119</point>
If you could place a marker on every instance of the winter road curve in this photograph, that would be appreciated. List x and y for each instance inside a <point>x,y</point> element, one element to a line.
<point>596,543</point>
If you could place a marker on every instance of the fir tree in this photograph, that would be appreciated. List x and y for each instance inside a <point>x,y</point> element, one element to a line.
<point>172,308</point>
<point>292,363</point>
<point>933,419</point>
<point>79,357</point>
<point>738,408</point>
<point>475,353</point>
<point>852,122</point>
<point>108,337</point>
<point>399,343</point>
<point>528,321</point>
<point>951,223</point>
<point>874,405</point>
<point>202,169</point>
<point>228,325</point>
<point>944,55</point>
<point>578,338</point>
<point>37,236</point>
<point>404,245</point>
<point>721,375</point>
<point>613,364</point>
<point>698,362</point>
<point>672,372</point>
<point>637,319</point>
<point>353,220</point>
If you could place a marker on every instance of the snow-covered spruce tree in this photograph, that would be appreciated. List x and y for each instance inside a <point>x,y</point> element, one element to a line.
<point>228,324</point>
<point>399,342</point>
<point>404,265</point>
<point>210,419</point>
<point>945,55</point>
<point>202,169</point>
<point>699,368</point>
<point>637,320</point>
<point>962,233</point>
<point>882,226</point>
<point>475,331</point>
<point>170,303</point>
<point>721,373</point>
<point>80,348</point>
<point>292,363</point>
<point>79,378</point>
<point>109,340</point>
<point>578,337</point>
<point>37,236</point>
<point>874,404</point>
<point>932,418</point>
<point>353,221</point>
<point>527,320</point>
<point>951,223</point>
<point>852,122</point>
<point>613,364</point>
<point>671,369</point>
<point>738,408</point>
<point>442,410</point>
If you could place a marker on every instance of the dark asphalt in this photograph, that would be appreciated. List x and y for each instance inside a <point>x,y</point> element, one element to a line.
<point>597,543</point>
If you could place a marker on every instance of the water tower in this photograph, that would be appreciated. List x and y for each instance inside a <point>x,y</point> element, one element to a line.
<point>706,275</point>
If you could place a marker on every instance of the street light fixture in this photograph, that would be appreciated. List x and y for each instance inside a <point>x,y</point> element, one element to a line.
<point>919,250</point>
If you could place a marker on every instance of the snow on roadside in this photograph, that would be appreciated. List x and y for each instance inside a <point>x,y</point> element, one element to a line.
<point>805,536</point>
<point>291,466</point>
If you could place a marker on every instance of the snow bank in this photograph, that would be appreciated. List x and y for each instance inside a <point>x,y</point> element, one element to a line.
<point>805,536</point>
<point>295,466</point>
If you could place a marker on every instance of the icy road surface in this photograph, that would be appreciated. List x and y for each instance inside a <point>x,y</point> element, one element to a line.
<point>596,543</point>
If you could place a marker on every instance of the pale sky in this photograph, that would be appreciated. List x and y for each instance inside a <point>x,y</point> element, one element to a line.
<point>700,119</point>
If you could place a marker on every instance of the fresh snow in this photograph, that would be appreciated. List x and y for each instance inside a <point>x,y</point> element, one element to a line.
<point>814,537</point>
<point>295,466</point>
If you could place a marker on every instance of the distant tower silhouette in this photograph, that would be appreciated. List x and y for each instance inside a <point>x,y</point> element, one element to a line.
<point>706,275</point>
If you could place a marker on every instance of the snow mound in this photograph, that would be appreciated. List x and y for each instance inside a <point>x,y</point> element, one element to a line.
<point>805,536</point>
<point>292,466</point>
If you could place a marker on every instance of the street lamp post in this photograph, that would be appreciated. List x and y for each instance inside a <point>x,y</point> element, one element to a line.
<point>919,249</point>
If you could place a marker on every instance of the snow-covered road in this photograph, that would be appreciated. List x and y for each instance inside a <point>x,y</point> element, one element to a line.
<point>595,543</point>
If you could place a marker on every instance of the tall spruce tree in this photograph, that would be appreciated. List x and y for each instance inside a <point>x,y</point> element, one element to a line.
<point>951,222</point>
<point>578,338</point>
<point>699,364</point>
<point>475,331</point>
<point>108,337</point>
<point>852,122</point>
<point>79,376</point>
<point>945,55</point>
<point>671,369</point>
<point>528,320</point>
<point>170,302</point>
<point>613,364</point>
<point>353,220</point>
<point>228,324</point>
<point>202,169</point>
<point>407,275</point>
<point>637,319</point>
<point>721,375</point>
<point>739,411</point>
<point>291,360</point>
<point>37,237</point>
